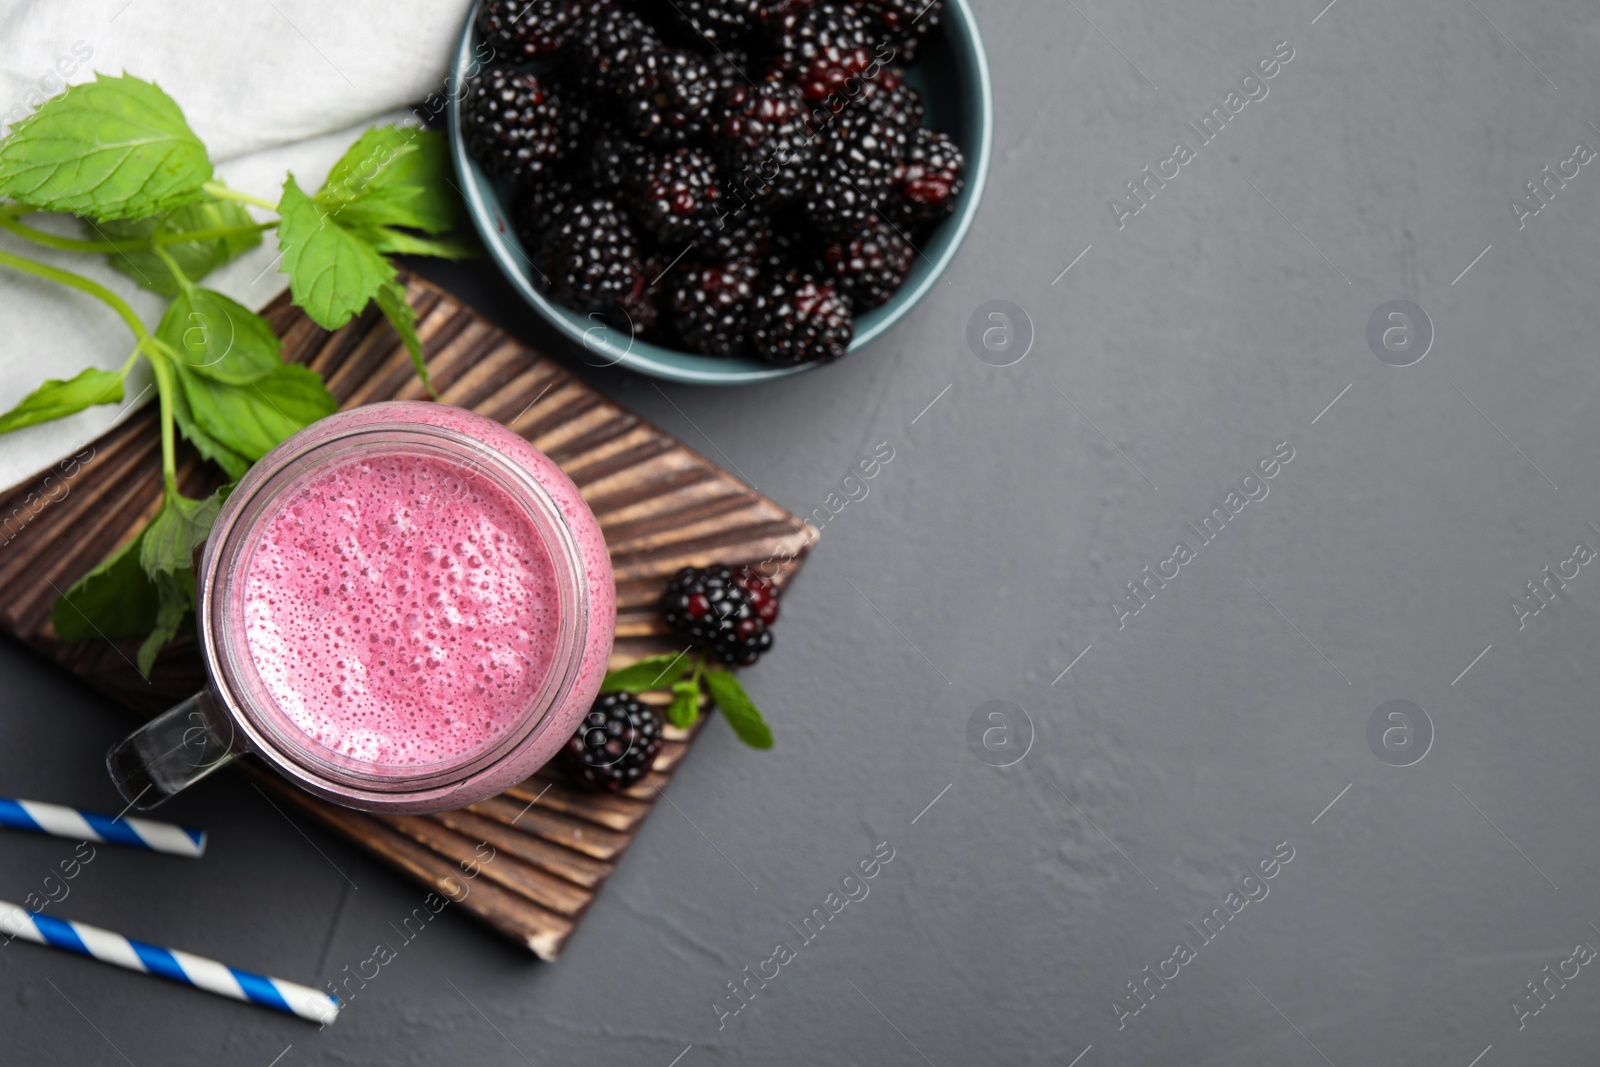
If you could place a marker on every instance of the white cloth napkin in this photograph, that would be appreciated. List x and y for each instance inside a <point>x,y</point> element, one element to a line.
<point>270,86</point>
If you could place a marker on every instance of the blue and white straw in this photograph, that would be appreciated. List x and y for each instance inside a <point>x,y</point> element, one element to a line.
<point>182,967</point>
<point>78,825</point>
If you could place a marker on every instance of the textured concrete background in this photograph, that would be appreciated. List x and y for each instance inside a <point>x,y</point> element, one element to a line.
<point>1179,750</point>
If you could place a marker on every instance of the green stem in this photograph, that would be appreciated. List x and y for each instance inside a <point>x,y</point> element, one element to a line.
<point>169,444</point>
<point>177,272</point>
<point>152,348</point>
<point>133,357</point>
<point>73,244</point>
<point>219,234</point>
<point>80,283</point>
<point>50,240</point>
<point>222,192</point>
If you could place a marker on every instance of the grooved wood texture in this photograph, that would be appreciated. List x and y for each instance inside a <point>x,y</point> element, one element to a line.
<point>661,506</point>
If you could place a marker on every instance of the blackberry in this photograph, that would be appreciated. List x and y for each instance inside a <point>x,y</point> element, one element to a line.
<point>738,236</point>
<point>799,319</point>
<point>822,47</point>
<point>794,249</point>
<point>614,160</point>
<point>669,96</point>
<point>727,612</point>
<point>520,29</point>
<point>640,306</point>
<point>929,179</point>
<point>889,97</point>
<point>534,206</point>
<point>678,195</point>
<point>766,146</point>
<point>616,744</point>
<point>512,124</point>
<point>905,24</point>
<point>719,24</point>
<point>590,253</point>
<point>872,265</point>
<point>835,75</point>
<point>858,162</point>
<point>580,120</point>
<point>711,307</point>
<point>733,69</point>
<point>604,45</point>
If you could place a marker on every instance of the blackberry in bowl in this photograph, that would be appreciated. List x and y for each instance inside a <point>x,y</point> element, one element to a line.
<point>722,191</point>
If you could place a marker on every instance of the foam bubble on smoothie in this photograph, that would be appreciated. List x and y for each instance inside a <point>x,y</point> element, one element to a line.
<point>401,610</point>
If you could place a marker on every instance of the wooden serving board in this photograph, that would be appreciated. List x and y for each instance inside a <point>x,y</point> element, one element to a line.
<point>661,506</point>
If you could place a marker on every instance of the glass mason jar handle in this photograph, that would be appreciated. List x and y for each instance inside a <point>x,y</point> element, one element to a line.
<point>173,751</point>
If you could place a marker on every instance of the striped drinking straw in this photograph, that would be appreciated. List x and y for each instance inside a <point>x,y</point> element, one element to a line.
<point>182,967</point>
<point>67,822</point>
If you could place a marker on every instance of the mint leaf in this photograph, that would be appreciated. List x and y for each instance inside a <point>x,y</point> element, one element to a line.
<point>652,672</point>
<point>394,176</point>
<point>253,419</point>
<point>204,443</point>
<point>116,599</point>
<point>174,600</point>
<point>219,338</point>
<point>195,258</point>
<point>737,707</point>
<point>113,148</point>
<point>403,317</point>
<point>333,273</point>
<point>685,707</point>
<point>168,543</point>
<point>57,399</point>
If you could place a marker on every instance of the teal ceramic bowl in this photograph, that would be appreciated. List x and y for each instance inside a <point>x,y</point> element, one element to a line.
<point>952,74</point>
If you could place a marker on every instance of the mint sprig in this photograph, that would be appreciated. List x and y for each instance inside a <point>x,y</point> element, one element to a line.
<point>667,672</point>
<point>118,153</point>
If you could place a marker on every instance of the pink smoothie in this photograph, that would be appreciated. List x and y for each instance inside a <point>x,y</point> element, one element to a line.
<point>407,608</point>
<point>401,610</point>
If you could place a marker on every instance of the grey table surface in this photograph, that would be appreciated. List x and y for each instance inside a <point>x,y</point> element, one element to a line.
<point>1226,722</point>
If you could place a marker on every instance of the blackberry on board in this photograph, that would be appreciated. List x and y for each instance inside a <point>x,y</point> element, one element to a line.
<point>669,96</point>
<point>728,612</point>
<point>797,318</point>
<point>616,743</point>
<point>678,196</point>
<point>710,306</point>
<point>512,124</point>
<point>930,178</point>
<point>524,29</point>
<point>590,253</point>
<point>871,266</point>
